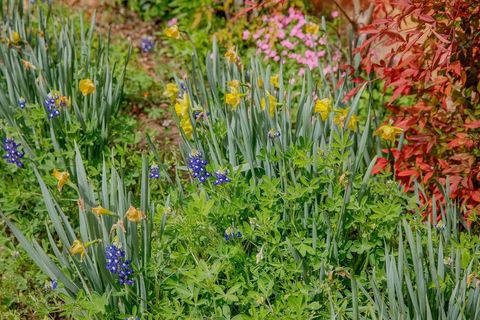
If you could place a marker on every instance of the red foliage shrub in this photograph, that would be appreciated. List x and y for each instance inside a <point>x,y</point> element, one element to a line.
<point>430,49</point>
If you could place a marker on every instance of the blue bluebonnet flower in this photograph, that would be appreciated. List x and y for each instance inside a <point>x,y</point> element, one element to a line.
<point>231,234</point>
<point>183,87</point>
<point>13,155</point>
<point>117,264</point>
<point>272,134</point>
<point>53,102</point>
<point>198,164</point>
<point>147,44</point>
<point>221,177</point>
<point>22,102</point>
<point>154,172</point>
<point>51,285</point>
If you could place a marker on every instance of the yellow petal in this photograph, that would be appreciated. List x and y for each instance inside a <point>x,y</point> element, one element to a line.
<point>181,107</point>
<point>171,91</point>
<point>78,248</point>
<point>232,99</point>
<point>99,211</point>
<point>231,55</point>
<point>312,28</point>
<point>134,215</point>
<point>187,127</point>
<point>323,106</point>
<point>86,86</point>
<point>62,177</point>
<point>172,32</point>
<point>274,80</point>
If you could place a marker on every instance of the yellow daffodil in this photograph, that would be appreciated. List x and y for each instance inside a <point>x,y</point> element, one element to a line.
<point>86,86</point>
<point>323,106</point>
<point>274,80</point>
<point>312,28</point>
<point>388,132</point>
<point>62,177</point>
<point>231,55</point>
<point>187,128</point>
<point>272,101</point>
<point>181,107</point>
<point>100,211</point>
<point>171,91</point>
<point>172,32</point>
<point>341,116</point>
<point>134,215</point>
<point>260,83</point>
<point>233,85</point>
<point>15,38</point>
<point>233,99</point>
<point>78,248</point>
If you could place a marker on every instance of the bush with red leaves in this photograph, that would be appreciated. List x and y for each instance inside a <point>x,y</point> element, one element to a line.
<point>430,50</point>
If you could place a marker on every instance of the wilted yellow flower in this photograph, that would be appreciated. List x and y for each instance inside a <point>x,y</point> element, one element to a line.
<point>233,85</point>
<point>233,99</point>
<point>231,55</point>
<point>187,127</point>
<point>388,132</point>
<point>272,101</point>
<point>134,215</point>
<point>172,32</point>
<point>312,28</point>
<point>28,65</point>
<point>86,86</point>
<point>323,106</point>
<point>171,91</point>
<point>274,80</point>
<point>181,107</point>
<point>78,248</point>
<point>62,177</point>
<point>341,116</point>
<point>100,211</point>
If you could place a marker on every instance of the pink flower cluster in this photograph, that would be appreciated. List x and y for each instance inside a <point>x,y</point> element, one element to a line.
<point>283,38</point>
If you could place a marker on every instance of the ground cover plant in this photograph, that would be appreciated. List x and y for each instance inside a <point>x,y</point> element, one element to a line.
<point>215,176</point>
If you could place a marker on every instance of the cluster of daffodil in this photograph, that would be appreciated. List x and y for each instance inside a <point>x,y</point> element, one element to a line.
<point>324,108</point>
<point>82,87</point>
<point>264,117</point>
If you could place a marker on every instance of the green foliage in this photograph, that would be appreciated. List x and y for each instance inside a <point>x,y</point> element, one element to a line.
<point>52,55</point>
<point>95,233</point>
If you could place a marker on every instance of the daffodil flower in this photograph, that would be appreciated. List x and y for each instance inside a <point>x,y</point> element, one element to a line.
<point>134,215</point>
<point>86,86</point>
<point>231,55</point>
<point>171,91</point>
<point>233,99</point>
<point>172,32</point>
<point>323,106</point>
<point>312,28</point>
<point>181,107</point>
<point>62,177</point>
<point>78,248</point>
<point>274,80</point>
<point>341,116</point>
<point>233,85</point>
<point>388,132</point>
<point>100,211</point>
<point>15,38</point>
<point>272,102</point>
<point>187,127</point>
